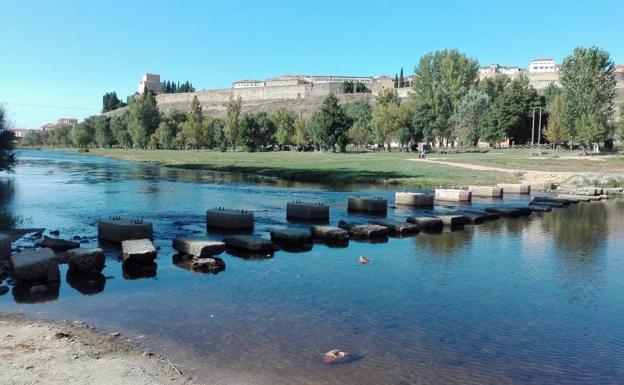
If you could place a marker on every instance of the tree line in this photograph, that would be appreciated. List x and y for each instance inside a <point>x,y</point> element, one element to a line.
<point>170,87</point>
<point>449,105</point>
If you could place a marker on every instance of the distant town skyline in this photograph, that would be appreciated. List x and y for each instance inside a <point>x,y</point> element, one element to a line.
<point>61,57</point>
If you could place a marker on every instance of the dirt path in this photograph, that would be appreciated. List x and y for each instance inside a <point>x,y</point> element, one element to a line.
<point>528,176</point>
<point>51,353</point>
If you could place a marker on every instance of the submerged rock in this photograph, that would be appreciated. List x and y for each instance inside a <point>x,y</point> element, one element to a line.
<point>363,260</point>
<point>335,356</point>
<point>210,264</point>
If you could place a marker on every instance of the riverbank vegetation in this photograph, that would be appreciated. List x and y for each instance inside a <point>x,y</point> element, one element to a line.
<point>449,106</point>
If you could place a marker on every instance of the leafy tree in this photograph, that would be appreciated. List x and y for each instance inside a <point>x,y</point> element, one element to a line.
<point>401,80</point>
<point>232,120</point>
<point>493,86</point>
<point>550,92</point>
<point>61,136</point>
<point>267,129</point>
<point>248,132</point>
<point>143,119</point>
<point>469,117</point>
<point>556,132</point>
<point>620,127</point>
<point>111,102</point>
<point>302,137</point>
<point>510,113</point>
<point>388,96</point>
<point>103,134</point>
<point>119,129</point>
<point>588,81</point>
<point>165,133</point>
<point>390,117</point>
<point>7,138</point>
<point>360,113</point>
<point>83,133</point>
<point>361,87</point>
<point>193,128</point>
<point>346,87</point>
<point>442,78</point>
<point>332,125</point>
<point>284,120</point>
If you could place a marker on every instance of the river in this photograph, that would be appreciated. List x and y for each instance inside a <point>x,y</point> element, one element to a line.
<point>535,300</point>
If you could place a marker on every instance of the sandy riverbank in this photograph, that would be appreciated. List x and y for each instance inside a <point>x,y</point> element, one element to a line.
<point>46,352</point>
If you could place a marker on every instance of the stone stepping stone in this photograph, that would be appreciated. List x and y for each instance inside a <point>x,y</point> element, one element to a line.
<point>116,229</point>
<point>427,224</point>
<point>36,265</point>
<point>249,243</point>
<point>138,251</point>
<point>200,247</point>
<point>85,260</point>
<point>292,237</point>
<point>397,228</point>
<point>229,220</point>
<point>330,234</point>
<point>365,231</point>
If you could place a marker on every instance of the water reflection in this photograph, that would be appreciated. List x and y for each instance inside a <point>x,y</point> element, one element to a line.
<point>37,293</point>
<point>445,244</point>
<point>86,283</point>
<point>145,270</point>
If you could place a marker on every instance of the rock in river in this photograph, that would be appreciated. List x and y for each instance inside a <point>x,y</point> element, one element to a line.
<point>36,265</point>
<point>138,251</point>
<point>86,260</point>
<point>58,245</point>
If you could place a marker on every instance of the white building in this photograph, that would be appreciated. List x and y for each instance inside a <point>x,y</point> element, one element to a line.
<point>495,69</point>
<point>150,82</point>
<point>543,65</point>
<point>248,83</point>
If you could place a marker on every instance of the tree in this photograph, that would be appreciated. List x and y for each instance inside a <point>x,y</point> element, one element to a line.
<point>119,129</point>
<point>388,96</point>
<point>346,87</point>
<point>550,92</point>
<point>588,81</point>
<point>556,131</point>
<point>61,136</point>
<point>493,86</point>
<point>267,129</point>
<point>620,127</point>
<point>332,125</point>
<point>396,81</point>
<point>510,113</point>
<point>103,135</point>
<point>468,118</point>
<point>165,133</point>
<point>401,80</point>
<point>302,137</point>
<point>248,131</point>
<point>232,120</point>
<point>360,113</point>
<point>390,117</point>
<point>143,119</point>
<point>284,121</point>
<point>193,129</point>
<point>7,138</point>
<point>111,102</point>
<point>83,133</point>
<point>441,79</point>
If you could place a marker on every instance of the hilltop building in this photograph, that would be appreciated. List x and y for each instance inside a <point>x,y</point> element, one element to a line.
<point>496,69</point>
<point>543,66</point>
<point>61,122</point>
<point>150,82</point>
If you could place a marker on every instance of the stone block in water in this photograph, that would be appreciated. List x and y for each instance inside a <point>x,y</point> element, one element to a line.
<point>486,191</point>
<point>453,195</point>
<point>330,234</point>
<point>58,245</point>
<point>292,237</point>
<point>307,211</point>
<point>397,228</point>
<point>413,199</point>
<point>541,186</point>
<point>515,188</point>
<point>367,205</point>
<point>117,229</point>
<point>229,220</point>
<point>86,260</point>
<point>427,224</point>
<point>365,231</point>
<point>200,247</point>
<point>249,243</point>
<point>138,251</point>
<point>5,247</point>
<point>36,265</point>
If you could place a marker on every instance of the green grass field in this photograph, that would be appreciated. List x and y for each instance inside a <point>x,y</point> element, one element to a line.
<point>318,167</point>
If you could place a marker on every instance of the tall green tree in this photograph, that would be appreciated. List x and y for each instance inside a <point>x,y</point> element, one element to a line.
<point>360,112</point>
<point>284,121</point>
<point>469,116</point>
<point>556,131</point>
<point>143,119</point>
<point>111,102</point>
<point>588,81</point>
<point>620,126</point>
<point>441,80</point>
<point>7,138</point>
<point>302,137</point>
<point>232,120</point>
<point>119,129</point>
<point>248,132</point>
<point>401,79</point>
<point>193,129</point>
<point>103,134</point>
<point>267,129</point>
<point>392,118</point>
<point>332,125</point>
<point>396,81</point>
<point>83,134</point>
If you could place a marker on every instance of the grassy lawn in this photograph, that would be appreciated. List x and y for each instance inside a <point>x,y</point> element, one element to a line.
<point>520,159</point>
<point>375,168</point>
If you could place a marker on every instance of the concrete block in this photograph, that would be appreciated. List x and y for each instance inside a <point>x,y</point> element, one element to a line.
<point>486,215</point>
<point>515,188</point>
<point>313,212</point>
<point>451,221</point>
<point>413,199</point>
<point>138,251</point>
<point>512,212</point>
<point>364,231</point>
<point>116,229</point>
<point>541,187</point>
<point>453,195</point>
<point>249,243</point>
<point>613,191</point>
<point>200,247</point>
<point>86,260</point>
<point>330,234</point>
<point>472,218</point>
<point>539,208</point>
<point>5,247</point>
<point>367,205</point>
<point>427,224</point>
<point>396,228</point>
<point>229,220</point>
<point>292,237</point>
<point>548,199</point>
<point>580,198</point>
<point>486,191</point>
<point>35,265</point>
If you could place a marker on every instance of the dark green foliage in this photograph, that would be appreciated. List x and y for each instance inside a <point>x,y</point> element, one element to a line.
<point>333,125</point>
<point>248,132</point>
<point>143,119</point>
<point>401,80</point>
<point>169,87</point>
<point>7,158</point>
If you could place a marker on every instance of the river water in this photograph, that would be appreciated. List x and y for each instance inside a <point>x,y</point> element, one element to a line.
<point>537,300</point>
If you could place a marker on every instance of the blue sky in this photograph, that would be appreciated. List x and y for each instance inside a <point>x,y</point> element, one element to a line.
<point>59,57</point>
